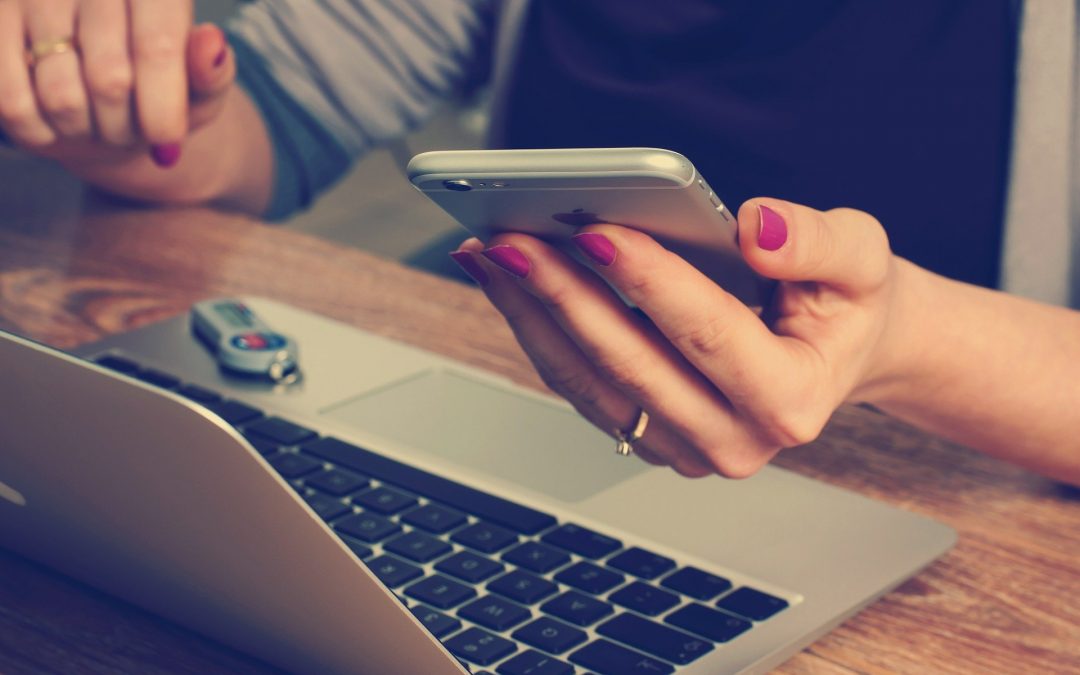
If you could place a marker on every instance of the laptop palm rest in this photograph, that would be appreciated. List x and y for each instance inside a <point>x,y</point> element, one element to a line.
<point>491,429</point>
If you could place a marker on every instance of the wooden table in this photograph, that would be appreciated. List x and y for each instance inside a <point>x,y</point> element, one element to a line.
<point>1006,599</point>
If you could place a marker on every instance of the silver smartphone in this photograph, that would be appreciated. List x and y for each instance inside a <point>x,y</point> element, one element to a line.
<point>552,193</point>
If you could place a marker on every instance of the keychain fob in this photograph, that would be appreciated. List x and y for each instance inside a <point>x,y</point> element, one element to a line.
<point>241,342</point>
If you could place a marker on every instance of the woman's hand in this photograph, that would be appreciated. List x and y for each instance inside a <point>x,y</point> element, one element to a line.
<point>113,79</point>
<point>725,389</point>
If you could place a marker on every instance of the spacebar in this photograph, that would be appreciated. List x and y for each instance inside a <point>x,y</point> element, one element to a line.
<point>480,504</point>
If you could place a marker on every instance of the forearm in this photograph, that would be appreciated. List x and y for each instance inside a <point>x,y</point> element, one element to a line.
<point>992,371</point>
<point>228,162</point>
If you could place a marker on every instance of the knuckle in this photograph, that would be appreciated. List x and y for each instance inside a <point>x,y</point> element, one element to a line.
<point>788,430</point>
<point>157,47</point>
<point>62,99</point>
<point>111,79</point>
<point>639,285</point>
<point>735,464</point>
<point>628,372</point>
<point>708,337</point>
<point>574,385</point>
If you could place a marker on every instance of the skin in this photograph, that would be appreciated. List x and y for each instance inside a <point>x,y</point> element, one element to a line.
<point>146,107</point>
<point>727,389</point>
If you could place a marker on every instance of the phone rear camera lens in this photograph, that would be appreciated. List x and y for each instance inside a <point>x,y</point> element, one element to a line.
<point>457,185</point>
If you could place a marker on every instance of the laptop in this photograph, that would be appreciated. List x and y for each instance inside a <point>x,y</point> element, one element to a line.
<point>395,511</point>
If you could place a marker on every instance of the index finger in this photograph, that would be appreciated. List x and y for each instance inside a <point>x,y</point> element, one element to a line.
<point>159,32</point>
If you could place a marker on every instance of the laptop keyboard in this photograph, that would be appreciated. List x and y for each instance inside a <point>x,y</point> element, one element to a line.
<point>508,589</point>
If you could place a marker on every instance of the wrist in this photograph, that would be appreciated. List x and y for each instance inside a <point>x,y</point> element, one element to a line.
<point>896,368</point>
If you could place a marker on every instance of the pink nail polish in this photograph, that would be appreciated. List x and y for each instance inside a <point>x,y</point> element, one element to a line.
<point>510,259</point>
<point>773,230</point>
<point>598,247</point>
<point>166,155</point>
<point>465,260</point>
<point>219,60</point>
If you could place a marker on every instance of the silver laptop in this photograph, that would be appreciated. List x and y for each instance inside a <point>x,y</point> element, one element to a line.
<point>399,512</point>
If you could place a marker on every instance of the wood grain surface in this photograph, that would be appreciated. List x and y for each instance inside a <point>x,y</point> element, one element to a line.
<point>1005,600</point>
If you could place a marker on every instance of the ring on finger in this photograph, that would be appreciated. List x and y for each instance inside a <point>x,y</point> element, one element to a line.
<point>626,439</point>
<point>43,49</point>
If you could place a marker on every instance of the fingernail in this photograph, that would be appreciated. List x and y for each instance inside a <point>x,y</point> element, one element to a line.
<point>219,60</point>
<point>166,155</point>
<point>598,247</point>
<point>465,260</point>
<point>510,259</point>
<point>773,231</point>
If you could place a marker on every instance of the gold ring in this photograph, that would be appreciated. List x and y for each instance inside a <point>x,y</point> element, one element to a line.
<point>626,439</point>
<point>43,49</point>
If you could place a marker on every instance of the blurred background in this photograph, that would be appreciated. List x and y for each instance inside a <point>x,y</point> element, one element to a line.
<point>374,207</point>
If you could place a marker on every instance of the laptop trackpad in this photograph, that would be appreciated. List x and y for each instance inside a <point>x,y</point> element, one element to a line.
<point>493,430</point>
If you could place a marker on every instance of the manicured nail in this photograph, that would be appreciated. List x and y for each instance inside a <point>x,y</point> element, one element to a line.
<point>166,155</point>
<point>773,231</point>
<point>510,259</point>
<point>465,260</point>
<point>219,60</point>
<point>598,247</point>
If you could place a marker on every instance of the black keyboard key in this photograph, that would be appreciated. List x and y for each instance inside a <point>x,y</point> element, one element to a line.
<point>394,572</point>
<point>234,412</point>
<point>642,563</point>
<point>385,500</point>
<point>434,518</point>
<point>118,364</point>
<point>336,482</point>
<point>485,537</point>
<point>523,586</point>
<point>367,527</point>
<point>696,583</point>
<point>263,447</point>
<point>644,599</point>
<point>489,507</point>
<point>159,379</point>
<point>418,547</point>
<point>577,608</point>
<point>751,603</point>
<point>708,623</point>
<point>292,465</point>
<point>359,549</point>
<point>325,507</point>
<point>589,578</point>
<point>199,394</point>
<point>536,557</point>
<point>608,658</point>
<point>550,635</point>
<point>440,592</point>
<point>534,663</point>
<point>281,431</point>
<point>586,543</point>
<point>468,566</point>
<point>656,639</point>
<point>493,612</point>
<point>479,646</point>
<point>437,623</point>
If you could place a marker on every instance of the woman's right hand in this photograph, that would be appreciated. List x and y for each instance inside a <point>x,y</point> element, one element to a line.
<point>139,79</point>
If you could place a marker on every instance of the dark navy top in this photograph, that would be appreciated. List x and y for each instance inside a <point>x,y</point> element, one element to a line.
<point>901,108</point>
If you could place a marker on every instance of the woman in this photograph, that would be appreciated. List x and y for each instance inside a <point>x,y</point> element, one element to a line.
<point>134,99</point>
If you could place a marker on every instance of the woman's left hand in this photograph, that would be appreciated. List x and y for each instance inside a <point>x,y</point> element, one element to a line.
<point>725,390</point>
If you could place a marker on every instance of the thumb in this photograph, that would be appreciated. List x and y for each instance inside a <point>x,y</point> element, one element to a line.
<point>842,248</point>
<point>211,66</point>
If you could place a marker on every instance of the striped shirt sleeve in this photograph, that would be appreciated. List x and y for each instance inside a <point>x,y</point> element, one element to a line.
<point>334,78</point>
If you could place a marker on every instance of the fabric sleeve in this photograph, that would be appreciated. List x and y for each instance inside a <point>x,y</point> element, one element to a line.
<point>334,78</point>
